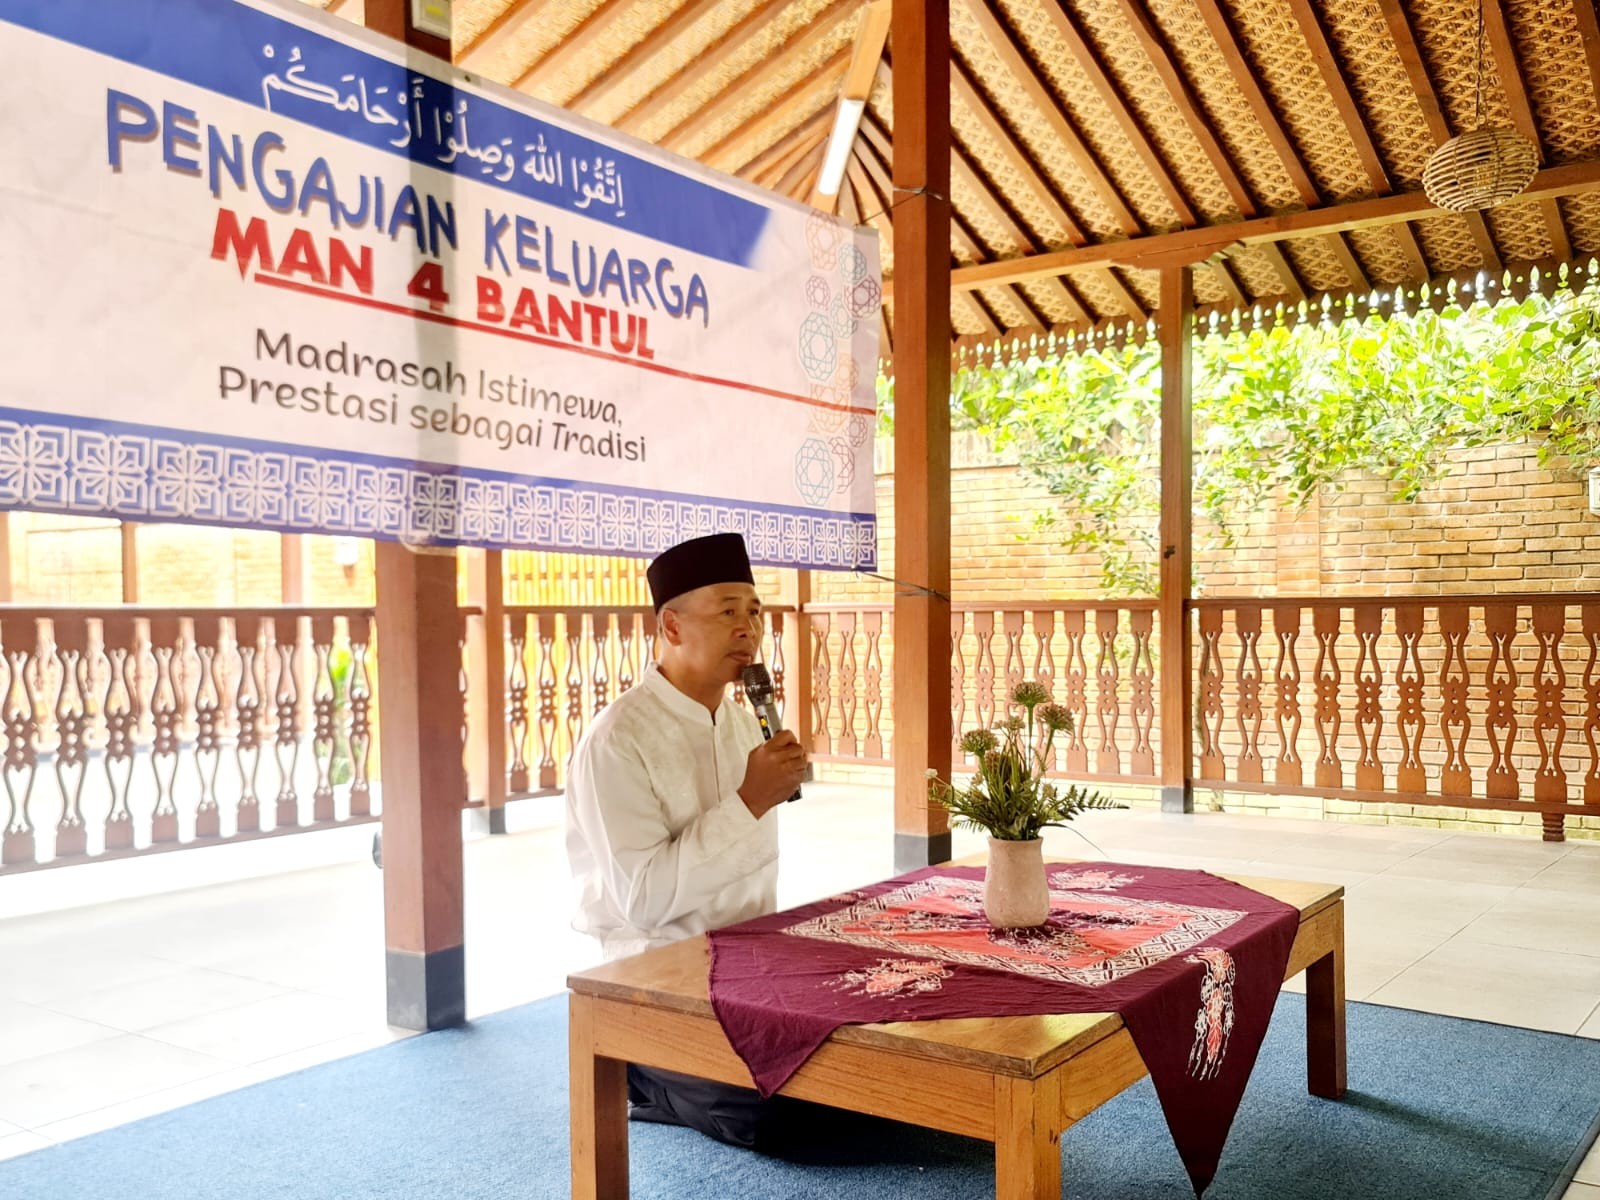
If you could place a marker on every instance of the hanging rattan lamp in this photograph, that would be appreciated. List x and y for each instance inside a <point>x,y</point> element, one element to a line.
<point>1483,168</point>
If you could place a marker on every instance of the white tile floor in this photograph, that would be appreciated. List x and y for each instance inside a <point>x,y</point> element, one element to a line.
<point>142,998</point>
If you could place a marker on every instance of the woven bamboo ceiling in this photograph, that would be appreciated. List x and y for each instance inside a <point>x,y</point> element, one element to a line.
<point>1086,129</point>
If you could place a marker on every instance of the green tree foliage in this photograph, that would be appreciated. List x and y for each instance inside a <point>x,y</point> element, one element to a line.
<point>1287,412</point>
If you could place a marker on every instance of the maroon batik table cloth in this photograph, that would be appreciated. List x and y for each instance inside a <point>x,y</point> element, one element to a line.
<point>1191,962</point>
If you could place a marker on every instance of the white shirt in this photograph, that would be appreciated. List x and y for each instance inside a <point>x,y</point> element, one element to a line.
<point>660,844</point>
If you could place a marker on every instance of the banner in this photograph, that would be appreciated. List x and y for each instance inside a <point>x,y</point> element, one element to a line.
<point>266,269</point>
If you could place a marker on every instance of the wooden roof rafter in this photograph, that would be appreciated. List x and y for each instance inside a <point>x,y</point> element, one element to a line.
<point>874,150</point>
<point>593,30</point>
<point>783,150</point>
<point>1504,54</point>
<point>1188,104</point>
<point>1092,64</point>
<point>1061,127</point>
<point>734,149</point>
<point>617,75</point>
<point>1432,111</point>
<point>761,76</point>
<point>729,45</point>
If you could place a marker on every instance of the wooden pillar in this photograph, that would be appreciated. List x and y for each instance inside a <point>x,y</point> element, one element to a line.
<point>419,706</point>
<point>292,565</point>
<point>797,656</point>
<point>1177,476</point>
<point>486,683</point>
<point>7,593</point>
<point>920,32</point>
<point>130,563</point>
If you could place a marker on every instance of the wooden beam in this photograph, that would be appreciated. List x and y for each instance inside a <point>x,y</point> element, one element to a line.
<point>1093,66</point>
<point>762,76</point>
<point>1188,104</point>
<point>419,738</point>
<point>130,562</point>
<point>512,22</point>
<point>619,74</point>
<point>736,148</point>
<point>1196,245</point>
<point>1339,89</point>
<point>805,167</point>
<point>1049,110</point>
<point>1256,97</point>
<point>922,427</point>
<point>486,679</point>
<point>780,155</point>
<point>798,150</point>
<point>1177,537</point>
<point>865,55</point>
<point>867,51</point>
<point>724,49</point>
<point>7,590</point>
<point>292,556</point>
<point>1348,260</point>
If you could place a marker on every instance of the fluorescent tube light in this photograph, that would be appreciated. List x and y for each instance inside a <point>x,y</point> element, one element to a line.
<point>845,123</point>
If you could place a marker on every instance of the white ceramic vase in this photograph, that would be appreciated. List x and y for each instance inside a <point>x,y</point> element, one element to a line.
<point>1015,894</point>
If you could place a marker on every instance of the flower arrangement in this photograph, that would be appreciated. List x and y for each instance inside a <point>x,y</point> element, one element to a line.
<point>1008,797</point>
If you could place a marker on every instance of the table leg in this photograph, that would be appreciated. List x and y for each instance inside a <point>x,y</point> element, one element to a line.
<point>1027,1138</point>
<point>1325,1044</point>
<point>599,1108</point>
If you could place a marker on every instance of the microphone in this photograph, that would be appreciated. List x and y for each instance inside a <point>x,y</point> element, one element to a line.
<point>757,683</point>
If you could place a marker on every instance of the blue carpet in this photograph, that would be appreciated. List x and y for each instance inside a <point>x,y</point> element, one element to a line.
<point>1439,1109</point>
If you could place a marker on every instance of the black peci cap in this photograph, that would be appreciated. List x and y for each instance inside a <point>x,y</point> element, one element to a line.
<point>698,563</point>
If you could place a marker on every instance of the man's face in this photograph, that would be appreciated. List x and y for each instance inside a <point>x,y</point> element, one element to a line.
<point>715,630</point>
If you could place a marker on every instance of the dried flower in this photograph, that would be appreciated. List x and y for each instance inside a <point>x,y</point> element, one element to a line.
<point>978,742</point>
<point>1056,718</point>
<point>1008,797</point>
<point>1030,694</point>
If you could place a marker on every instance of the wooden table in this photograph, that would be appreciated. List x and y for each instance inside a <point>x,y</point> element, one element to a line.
<point>1017,1081</point>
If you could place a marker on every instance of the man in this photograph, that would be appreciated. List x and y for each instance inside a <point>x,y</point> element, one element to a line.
<point>670,798</point>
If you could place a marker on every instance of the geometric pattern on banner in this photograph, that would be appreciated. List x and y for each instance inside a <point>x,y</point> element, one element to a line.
<point>55,465</point>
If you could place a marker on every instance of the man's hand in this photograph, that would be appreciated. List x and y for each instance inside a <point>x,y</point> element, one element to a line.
<point>773,772</point>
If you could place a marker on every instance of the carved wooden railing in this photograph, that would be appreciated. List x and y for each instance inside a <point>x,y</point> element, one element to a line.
<point>565,664</point>
<point>1472,701</point>
<point>1098,659</point>
<point>137,729</point>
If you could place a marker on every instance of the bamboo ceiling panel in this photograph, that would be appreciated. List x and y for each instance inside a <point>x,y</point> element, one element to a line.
<point>1380,84</point>
<point>1448,242</point>
<point>1014,104</point>
<point>1582,216</point>
<point>625,23</point>
<point>1276,47</point>
<point>1058,67</point>
<point>1550,52</point>
<point>1520,231</point>
<point>1447,32</point>
<point>1153,104</point>
<point>1023,190</point>
<point>1386,264</point>
<point>1193,46</point>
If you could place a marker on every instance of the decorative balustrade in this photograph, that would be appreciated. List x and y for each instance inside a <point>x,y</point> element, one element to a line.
<point>1098,659</point>
<point>565,664</point>
<point>130,729</point>
<point>1471,701</point>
